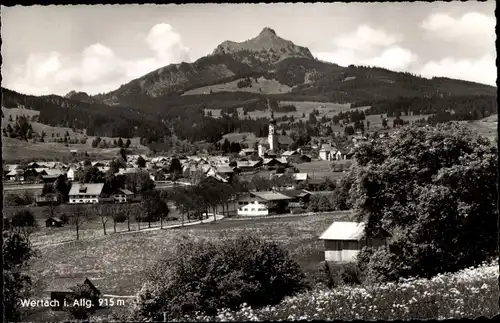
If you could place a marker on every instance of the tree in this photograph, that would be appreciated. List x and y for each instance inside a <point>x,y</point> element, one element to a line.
<point>103,211</point>
<point>175,166</point>
<point>120,142</point>
<point>153,207</point>
<point>24,222</point>
<point>430,190</point>
<point>17,252</point>
<point>141,162</point>
<point>139,182</point>
<point>123,154</point>
<point>384,123</point>
<point>203,276</point>
<point>226,146</point>
<point>235,147</point>
<point>349,131</point>
<point>79,216</point>
<point>127,144</point>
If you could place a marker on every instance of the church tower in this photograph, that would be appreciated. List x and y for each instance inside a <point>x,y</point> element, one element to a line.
<point>272,137</point>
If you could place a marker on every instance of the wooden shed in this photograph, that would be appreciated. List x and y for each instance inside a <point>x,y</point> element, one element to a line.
<point>53,222</point>
<point>344,240</point>
<point>61,289</point>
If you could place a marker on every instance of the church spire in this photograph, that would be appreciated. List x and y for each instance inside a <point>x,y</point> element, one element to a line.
<point>271,121</point>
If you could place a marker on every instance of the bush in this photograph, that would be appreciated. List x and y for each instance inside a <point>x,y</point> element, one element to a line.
<point>64,218</point>
<point>298,210</point>
<point>23,218</point>
<point>342,274</point>
<point>120,217</point>
<point>18,199</point>
<point>206,276</point>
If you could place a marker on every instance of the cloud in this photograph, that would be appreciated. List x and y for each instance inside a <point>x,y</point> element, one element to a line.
<point>369,46</point>
<point>393,58</point>
<point>365,38</point>
<point>97,68</point>
<point>482,70</point>
<point>474,29</point>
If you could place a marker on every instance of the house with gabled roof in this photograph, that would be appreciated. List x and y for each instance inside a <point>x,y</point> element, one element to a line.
<point>85,193</point>
<point>343,241</point>
<point>62,289</point>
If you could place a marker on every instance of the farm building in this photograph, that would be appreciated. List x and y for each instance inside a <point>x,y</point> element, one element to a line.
<point>122,196</point>
<point>62,289</point>
<point>298,159</point>
<point>47,199</point>
<point>263,203</point>
<point>53,222</point>
<point>300,177</point>
<point>247,152</point>
<point>327,152</point>
<point>344,240</point>
<point>85,193</point>
<point>15,175</point>
<point>248,165</point>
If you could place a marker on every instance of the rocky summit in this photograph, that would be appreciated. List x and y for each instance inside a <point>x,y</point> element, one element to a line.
<point>267,44</point>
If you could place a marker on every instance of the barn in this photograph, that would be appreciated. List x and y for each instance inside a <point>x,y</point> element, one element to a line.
<point>344,240</point>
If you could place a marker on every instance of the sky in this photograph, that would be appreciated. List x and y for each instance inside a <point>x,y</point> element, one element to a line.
<point>95,49</point>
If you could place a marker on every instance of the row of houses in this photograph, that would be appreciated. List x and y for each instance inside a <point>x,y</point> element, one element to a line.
<point>89,193</point>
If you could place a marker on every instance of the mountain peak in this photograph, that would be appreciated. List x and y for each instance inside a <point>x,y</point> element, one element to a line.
<point>267,32</point>
<point>267,46</point>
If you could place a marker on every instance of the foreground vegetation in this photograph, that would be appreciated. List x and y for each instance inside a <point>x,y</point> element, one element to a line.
<point>469,293</point>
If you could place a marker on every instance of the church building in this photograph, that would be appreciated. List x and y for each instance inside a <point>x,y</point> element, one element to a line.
<point>271,146</point>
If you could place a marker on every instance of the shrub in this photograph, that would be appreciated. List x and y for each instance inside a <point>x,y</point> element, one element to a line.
<point>120,217</point>
<point>64,218</point>
<point>206,276</point>
<point>23,218</point>
<point>298,210</point>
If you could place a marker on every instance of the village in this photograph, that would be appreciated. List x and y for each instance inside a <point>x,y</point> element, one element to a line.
<point>220,163</point>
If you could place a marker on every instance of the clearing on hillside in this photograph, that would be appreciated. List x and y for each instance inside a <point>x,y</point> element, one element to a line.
<point>260,85</point>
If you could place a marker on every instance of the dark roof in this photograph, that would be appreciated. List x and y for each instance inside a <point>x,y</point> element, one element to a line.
<point>316,181</point>
<point>56,219</point>
<point>295,193</point>
<point>65,284</point>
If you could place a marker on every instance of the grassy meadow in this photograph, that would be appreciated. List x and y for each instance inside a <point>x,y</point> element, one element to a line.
<point>261,85</point>
<point>116,261</point>
<point>15,150</point>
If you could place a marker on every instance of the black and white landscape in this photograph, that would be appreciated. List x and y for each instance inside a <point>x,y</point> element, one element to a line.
<point>223,162</point>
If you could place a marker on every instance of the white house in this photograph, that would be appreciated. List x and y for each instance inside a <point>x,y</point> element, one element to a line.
<point>327,152</point>
<point>123,196</point>
<point>85,193</point>
<point>71,173</point>
<point>260,203</point>
<point>253,208</point>
<point>344,240</point>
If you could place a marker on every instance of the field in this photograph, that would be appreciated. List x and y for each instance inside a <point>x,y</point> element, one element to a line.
<point>116,261</point>
<point>14,150</point>
<point>261,85</point>
<point>486,127</point>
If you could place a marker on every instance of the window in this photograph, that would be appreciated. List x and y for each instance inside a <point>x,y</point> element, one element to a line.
<point>253,210</point>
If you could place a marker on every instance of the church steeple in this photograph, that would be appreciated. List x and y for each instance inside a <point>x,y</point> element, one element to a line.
<point>272,120</point>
